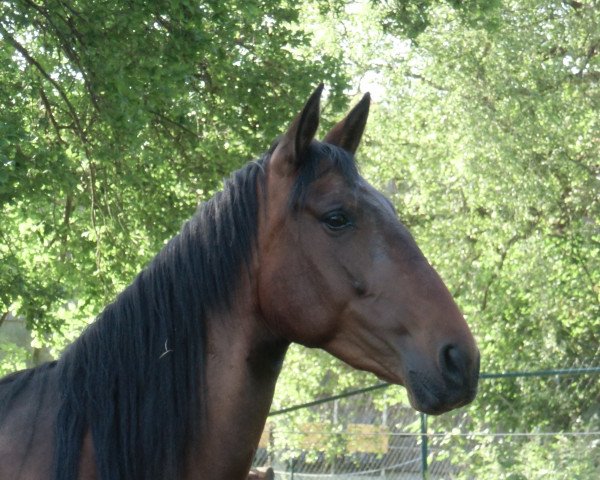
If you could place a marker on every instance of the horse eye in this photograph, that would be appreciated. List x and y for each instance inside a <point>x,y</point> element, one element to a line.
<point>337,221</point>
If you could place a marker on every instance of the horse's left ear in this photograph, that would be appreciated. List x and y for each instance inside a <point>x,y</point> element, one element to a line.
<point>347,133</point>
<point>293,145</point>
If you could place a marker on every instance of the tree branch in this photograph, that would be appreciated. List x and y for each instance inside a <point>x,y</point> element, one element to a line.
<point>503,254</point>
<point>426,80</point>
<point>48,108</point>
<point>3,317</point>
<point>173,122</point>
<point>32,61</point>
<point>66,46</point>
<point>63,236</point>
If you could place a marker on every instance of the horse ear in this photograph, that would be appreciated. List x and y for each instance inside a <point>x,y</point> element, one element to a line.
<point>347,133</point>
<point>293,144</point>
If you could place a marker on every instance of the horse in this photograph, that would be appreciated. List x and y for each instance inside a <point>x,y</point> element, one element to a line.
<point>174,379</point>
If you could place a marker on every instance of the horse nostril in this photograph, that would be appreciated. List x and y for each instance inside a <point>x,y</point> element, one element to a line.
<point>454,364</point>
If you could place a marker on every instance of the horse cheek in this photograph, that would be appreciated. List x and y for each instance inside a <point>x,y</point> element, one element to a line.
<point>291,308</point>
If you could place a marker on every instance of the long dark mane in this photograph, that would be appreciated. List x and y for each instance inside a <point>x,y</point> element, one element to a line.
<point>135,375</point>
<point>135,378</point>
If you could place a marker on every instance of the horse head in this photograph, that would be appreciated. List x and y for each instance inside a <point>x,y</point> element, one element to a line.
<point>338,270</point>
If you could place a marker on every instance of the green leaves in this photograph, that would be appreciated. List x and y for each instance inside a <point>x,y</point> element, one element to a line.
<point>492,162</point>
<point>115,120</point>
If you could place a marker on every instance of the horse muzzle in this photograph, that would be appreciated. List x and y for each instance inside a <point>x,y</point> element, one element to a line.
<point>451,385</point>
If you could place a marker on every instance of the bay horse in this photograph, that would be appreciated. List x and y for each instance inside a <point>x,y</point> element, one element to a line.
<point>175,378</point>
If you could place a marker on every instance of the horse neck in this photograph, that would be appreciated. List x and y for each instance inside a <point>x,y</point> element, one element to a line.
<point>243,362</point>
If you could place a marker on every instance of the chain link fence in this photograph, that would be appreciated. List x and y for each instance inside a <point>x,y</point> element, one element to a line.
<point>523,425</point>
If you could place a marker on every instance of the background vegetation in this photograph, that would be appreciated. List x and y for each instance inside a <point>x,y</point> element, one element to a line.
<point>116,118</point>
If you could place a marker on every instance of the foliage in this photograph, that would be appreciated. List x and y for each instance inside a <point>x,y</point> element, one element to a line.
<point>561,458</point>
<point>495,153</point>
<point>411,18</point>
<point>13,358</point>
<point>487,141</point>
<point>116,119</point>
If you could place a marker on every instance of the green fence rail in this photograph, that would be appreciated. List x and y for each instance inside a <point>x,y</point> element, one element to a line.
<point>424,435</point>
<point>482,376</point>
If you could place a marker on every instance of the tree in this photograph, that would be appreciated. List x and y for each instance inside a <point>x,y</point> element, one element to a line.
<point>116,120</point>
<point>485,134</point>
<point>495,153</point>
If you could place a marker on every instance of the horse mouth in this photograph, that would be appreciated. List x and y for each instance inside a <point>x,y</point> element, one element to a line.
<point>425,396</point>
<point>433,398</point>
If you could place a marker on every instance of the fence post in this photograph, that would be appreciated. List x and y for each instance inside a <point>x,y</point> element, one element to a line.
<point>384,422</point>
<point>424,446</point>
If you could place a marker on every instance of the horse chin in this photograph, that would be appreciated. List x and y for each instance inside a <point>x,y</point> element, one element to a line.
<point>421,396</point>
<point>426,402</point>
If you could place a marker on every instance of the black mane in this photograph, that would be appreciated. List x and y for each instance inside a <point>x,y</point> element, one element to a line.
<point>132,378</point>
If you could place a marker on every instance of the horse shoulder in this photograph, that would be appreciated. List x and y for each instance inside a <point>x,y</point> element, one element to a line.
<point>87,462</point>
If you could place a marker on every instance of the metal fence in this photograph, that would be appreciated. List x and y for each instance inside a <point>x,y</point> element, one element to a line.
<point>523,425</point>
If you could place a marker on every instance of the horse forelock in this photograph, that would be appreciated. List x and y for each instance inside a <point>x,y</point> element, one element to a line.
<point>320,159</point>
<point>134,378</point>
